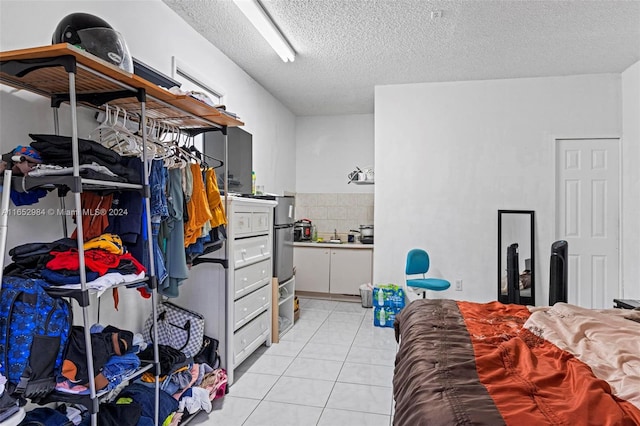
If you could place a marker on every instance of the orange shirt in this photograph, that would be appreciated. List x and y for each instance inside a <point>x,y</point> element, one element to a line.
<point>197,207</point>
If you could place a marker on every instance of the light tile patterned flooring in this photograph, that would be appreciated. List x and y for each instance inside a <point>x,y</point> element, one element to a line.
<point>332,368</point>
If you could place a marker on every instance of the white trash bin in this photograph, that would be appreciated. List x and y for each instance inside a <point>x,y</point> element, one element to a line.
<point>366,295</point>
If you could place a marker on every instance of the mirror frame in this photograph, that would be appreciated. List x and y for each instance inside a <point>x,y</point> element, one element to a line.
<point>504,298</point>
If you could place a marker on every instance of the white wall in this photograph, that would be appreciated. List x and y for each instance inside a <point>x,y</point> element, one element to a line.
<point>631,181</point>
<point>328,148</point>
<point>154,33</point>
<point>449,155</point>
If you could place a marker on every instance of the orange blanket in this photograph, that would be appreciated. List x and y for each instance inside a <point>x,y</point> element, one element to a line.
<point>471,363</point>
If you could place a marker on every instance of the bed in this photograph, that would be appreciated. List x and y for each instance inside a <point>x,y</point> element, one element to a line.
<point>464,363</point>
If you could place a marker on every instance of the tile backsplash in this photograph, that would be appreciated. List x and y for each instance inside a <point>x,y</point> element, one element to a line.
<point>329,211</point>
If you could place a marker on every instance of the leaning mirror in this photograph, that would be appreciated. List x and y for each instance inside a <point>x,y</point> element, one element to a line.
<point>516,260</point>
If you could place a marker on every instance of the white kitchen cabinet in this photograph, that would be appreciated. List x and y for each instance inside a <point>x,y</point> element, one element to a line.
<point>312,268</point>
<point>349,268</point>
<point>335,269</point>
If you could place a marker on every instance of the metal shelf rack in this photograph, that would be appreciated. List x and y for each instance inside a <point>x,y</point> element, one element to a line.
<point>66,74</point>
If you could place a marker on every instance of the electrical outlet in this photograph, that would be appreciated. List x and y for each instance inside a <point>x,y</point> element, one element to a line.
<point>458,285</point>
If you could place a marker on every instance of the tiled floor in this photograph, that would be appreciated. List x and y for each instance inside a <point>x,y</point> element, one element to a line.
<point>332,368</point>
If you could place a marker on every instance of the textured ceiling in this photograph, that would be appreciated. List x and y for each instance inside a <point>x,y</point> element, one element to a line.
<point>346,47</point>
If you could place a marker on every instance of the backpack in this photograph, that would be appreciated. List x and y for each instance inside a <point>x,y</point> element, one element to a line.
<point>34,330</point>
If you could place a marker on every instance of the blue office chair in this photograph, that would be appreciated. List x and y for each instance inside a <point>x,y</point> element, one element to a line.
<point>418,263</point>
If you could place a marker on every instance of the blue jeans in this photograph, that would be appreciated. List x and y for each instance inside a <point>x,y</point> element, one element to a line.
<point>158,184</point>
<point>158,256</point>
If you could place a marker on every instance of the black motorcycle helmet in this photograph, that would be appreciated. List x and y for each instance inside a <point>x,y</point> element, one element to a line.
<point>96,36</point>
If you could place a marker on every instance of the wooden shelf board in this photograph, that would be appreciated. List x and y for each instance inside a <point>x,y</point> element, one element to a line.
<point>54,80</point>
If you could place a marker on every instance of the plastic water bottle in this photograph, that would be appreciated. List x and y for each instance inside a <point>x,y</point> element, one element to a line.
<point>380,297</point>
<point>383,317</point>
<point>253,182</point>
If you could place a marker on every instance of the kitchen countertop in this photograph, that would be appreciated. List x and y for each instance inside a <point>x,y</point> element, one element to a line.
<point>333,245</point>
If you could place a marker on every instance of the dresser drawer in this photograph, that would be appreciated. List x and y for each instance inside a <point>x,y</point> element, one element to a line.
<point>250,222</point>
<point>242,223</point>
<point>260,222</point>
<point>249,337</point>
<point>248,307</point>
<point>251,277</point>
<point>250,250</point>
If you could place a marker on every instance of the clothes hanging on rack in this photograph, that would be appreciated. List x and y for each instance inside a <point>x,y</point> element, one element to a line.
<point>159,212</point>
<point>216,206</point>
<point>125,217</point>
<point>172,236</point>
<point>198,208</point>
<point>96,219</point>
<point>158,185</point>
<point>187,184</point>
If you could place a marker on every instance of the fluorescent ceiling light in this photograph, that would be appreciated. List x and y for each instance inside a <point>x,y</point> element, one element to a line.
<point>253,10</point>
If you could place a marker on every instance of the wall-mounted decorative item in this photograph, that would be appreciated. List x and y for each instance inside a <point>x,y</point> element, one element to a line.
<point>516,257</point>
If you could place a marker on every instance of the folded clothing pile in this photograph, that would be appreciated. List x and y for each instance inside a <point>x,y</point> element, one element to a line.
<point>113,358</point>
<point>30,258</point>
<point>56,150</point>
<point>103,254</point>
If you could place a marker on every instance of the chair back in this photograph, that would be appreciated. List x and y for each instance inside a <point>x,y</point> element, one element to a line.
<point>417,262</point>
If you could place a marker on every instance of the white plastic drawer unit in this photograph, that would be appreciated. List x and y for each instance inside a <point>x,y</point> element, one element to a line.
<point>252,277</point>
<point>250,250</point>
<point>250,306</point>
<point>248,338</point>
<point>250,222</point>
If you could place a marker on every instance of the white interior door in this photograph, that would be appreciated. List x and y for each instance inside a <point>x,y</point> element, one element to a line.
<point>587,189</point>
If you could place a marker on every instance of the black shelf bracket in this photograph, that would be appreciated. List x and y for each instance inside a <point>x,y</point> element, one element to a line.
<point>96,99</point>
<point>200,130</point>
<point>24,67</point>
<point>100,98</point>
<point>153,282</point>
<point>223,262</point>
<point>82,297</point>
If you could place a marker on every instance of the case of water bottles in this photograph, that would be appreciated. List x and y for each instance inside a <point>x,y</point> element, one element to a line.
<point>388,301</point>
